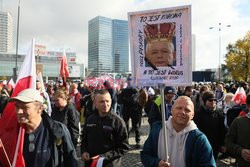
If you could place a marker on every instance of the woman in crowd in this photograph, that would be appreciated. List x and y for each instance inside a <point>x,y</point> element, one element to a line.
<point>65,112</point>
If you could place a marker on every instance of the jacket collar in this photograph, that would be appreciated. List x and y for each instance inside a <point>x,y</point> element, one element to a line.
<point>53,126</point>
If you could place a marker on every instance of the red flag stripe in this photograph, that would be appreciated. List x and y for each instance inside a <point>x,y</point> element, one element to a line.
<point>10,129</point>
<point>5,154</point>
<point>64,72</point>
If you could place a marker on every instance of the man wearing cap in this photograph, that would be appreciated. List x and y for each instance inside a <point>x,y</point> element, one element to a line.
<point>210,121</point>
<point>46,142</point>
<point>155,112</point>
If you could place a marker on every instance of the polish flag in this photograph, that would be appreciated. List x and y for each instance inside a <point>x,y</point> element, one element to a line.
<point>97,162</point>
<point>39,77</point>
<point>11,133</point>
<point>240,96</point>
<point>47,103</point>
<point>11,85</point>
<point>64,72</point>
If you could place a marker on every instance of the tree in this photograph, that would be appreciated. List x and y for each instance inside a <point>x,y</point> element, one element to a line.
<point>238,59</point>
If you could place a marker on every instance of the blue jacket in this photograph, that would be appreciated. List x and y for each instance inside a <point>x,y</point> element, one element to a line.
<point>197,149</point>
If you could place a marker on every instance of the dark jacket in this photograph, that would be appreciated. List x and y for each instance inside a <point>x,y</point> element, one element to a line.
<point>3,102</point>
<point>129,97</point>
<point>211,123</point>
<point>106,136</point>
<point>112,92</point>
<point>149,104</point>
<point>87,105</point>
<point>238,138</point>
<point>233,113</point>
<point>69,116</point>
<point>197,100</point>
<point>197,149</point>
<point>63,151</point>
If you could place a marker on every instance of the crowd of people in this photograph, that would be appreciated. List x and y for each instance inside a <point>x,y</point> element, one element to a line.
<point>205,122</point>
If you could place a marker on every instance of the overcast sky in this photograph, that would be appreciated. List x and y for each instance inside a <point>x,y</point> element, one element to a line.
<point>64,23</point>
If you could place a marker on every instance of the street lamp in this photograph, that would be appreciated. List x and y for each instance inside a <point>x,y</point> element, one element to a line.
<point>17,35</point>
<point>219,28</point>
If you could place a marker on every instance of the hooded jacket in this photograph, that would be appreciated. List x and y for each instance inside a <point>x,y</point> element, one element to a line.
<point>197,150</point>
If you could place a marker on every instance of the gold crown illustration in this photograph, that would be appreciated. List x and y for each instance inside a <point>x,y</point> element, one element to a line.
<point>159,32</point>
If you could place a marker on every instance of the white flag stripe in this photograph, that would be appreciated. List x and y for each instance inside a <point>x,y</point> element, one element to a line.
<point>40,79</point>
<point>27,68</point>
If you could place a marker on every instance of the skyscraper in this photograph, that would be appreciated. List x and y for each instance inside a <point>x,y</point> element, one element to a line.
<point>120,46</point>
<point>107,46</point>
<point>6,32</point>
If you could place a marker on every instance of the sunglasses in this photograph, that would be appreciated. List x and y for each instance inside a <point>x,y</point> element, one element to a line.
<point>31,144</point>
<point>212,100</point>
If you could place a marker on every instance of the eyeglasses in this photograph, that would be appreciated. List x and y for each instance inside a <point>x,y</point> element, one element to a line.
<point>31,144</point>
<point>212,100</point>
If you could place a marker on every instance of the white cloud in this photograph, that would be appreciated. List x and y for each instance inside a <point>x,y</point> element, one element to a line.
<point>64,23</point>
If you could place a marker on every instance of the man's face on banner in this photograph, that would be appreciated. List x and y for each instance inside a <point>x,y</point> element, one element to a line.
<point>160,53</point>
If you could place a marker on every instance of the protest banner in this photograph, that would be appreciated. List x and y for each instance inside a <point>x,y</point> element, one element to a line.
<point>160,43</point>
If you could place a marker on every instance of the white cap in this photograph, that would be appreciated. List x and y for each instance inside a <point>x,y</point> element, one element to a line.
<point>151,91</point>
<point>28,95</point>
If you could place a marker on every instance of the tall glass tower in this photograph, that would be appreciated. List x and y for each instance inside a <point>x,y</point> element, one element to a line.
<point>120,46</point>
<point>107,46</point>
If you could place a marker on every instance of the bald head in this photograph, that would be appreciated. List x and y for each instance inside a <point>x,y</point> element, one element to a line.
<point>186,99</point>
<point>182,112</point>
<point>102,102</point>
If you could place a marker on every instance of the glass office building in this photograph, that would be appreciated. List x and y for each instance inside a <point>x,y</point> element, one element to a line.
<point>120,46</point>
<point>100,45</point>
<point>49,65</point>
<point>107,46</point>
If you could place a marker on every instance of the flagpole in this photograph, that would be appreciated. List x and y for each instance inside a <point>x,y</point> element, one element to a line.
<point>164,128</point>
<point>64,76</point>
<point>5,153</point>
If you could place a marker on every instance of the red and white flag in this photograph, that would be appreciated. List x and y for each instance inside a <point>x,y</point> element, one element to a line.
<point>64,72</point>
<point>97,162</point>
<point>11,85</point>
<point>39,78</point>
<point>11,133</point>
<point>240,96</point>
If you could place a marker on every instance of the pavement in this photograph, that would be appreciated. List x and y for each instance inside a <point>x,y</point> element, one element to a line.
<point>132,158</point>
